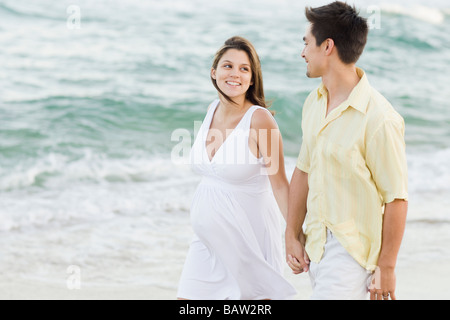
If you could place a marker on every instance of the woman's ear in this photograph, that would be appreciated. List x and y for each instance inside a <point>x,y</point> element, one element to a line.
<point>213,73</point>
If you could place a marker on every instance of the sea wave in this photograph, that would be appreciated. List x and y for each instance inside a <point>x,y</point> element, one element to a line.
<point>57,190</point>
<point>420,12</point>
<point>429,172</point>
<point>29,10</point>
<point>56,170</point>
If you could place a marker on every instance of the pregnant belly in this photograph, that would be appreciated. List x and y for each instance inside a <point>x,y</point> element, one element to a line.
<point>219,211</point>
<point>207,212</point>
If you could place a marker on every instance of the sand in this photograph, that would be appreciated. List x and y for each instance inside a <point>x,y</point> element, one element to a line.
<point>415,282</point>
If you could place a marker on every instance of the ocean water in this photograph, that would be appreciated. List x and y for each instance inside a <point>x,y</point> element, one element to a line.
<point>93,93</point>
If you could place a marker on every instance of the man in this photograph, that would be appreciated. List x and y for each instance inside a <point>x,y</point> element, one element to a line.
<point>350,183</point>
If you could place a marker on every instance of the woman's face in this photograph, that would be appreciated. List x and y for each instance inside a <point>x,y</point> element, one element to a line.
<point>233,74</point>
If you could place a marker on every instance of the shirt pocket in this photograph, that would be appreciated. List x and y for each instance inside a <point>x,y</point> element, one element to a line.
<point>340,161</point>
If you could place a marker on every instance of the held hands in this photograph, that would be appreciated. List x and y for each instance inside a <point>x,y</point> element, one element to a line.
<point>296,256</point>
<point>383,281</point>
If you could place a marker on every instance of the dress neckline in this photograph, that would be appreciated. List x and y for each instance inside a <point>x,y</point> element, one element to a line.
<point>208,128</point>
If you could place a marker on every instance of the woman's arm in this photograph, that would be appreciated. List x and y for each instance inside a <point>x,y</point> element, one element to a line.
<point>270,146</point>
<point>268,142</point>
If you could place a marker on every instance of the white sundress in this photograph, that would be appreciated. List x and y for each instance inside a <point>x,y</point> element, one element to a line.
<point>237,251</point>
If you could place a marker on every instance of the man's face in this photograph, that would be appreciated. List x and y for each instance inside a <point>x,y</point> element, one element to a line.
<point>313,55</point>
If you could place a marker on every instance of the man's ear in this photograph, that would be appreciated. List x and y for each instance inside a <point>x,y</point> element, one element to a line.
<point>329,45</point>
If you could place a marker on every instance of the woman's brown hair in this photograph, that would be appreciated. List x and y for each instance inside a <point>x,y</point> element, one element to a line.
<point>255,93</point>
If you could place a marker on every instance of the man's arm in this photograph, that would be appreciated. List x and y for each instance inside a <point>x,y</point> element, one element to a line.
<point>393,228</point>
<point>296,256</point>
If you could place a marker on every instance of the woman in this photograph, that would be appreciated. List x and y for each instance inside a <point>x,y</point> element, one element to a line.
<point>237,252</point>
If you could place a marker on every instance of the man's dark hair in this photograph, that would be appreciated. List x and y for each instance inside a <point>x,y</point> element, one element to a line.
<point>340,22</point>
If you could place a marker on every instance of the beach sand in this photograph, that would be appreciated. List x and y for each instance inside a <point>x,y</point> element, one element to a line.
<point>419,282</point>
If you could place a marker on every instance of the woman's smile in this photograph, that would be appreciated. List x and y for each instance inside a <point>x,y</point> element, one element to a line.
<point>233,74</point>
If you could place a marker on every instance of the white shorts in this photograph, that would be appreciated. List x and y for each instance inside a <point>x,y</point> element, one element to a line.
<point>338,276</point>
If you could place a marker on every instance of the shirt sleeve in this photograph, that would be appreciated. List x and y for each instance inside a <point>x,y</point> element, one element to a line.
<point>386,159</point>
<point>303,158</point>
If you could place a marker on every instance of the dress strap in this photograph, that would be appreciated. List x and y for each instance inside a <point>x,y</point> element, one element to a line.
<point>209,114</point>
<point>248,116</point>
<point>212,107</point>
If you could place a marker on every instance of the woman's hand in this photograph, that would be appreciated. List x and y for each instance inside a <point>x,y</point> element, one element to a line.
<point>296,256</point>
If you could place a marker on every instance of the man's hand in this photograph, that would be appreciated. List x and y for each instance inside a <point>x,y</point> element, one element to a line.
<point>296,256</point>
<point>394,221</point>
<point>383,284</point>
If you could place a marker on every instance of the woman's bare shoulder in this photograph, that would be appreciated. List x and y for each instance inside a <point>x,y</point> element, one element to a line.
<point>263,119</point>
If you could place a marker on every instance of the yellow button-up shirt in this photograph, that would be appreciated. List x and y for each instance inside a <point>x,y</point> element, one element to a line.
<point>356,163</point>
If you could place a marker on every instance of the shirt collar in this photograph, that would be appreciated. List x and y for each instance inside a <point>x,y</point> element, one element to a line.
<point>360,95</point>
